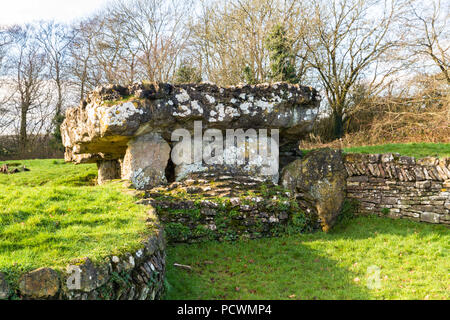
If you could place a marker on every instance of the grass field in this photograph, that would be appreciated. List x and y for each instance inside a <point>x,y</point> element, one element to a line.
<point>54,213</point>
<point>413,259</point>
<point>418,150</point>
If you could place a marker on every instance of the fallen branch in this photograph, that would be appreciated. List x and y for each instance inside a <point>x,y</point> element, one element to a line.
<point>182,266</point>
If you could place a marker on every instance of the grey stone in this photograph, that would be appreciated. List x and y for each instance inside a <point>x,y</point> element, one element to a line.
<point>321,177</point>
<point>41,283</point>
<point>145,161</point>
<point>91,276</point>
<point>113,120</point>
<point>4,287</point>
<point>108,170</point>
<point>430,217</point>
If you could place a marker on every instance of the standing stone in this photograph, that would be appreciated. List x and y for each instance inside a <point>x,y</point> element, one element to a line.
<point>4,287</point>
<point>145,161</point>
<point>320,179</point>
<point>41,283</point>
<point>108,170</point>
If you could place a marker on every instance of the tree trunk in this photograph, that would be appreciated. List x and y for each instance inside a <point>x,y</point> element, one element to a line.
<point>338,125</point>
<point>23,129</point>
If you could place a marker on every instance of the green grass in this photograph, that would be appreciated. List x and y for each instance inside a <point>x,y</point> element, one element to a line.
<point>413,258</point>
<point>418,150</point>
<point>54,214</point>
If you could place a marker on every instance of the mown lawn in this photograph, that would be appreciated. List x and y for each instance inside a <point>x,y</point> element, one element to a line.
<point>54,214</point>
<point>418,150</point>
<point>413,261</point>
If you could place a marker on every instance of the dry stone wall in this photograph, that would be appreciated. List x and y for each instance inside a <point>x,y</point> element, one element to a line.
<point>132,276</point>
<point>227,208</point>
<point>399,186</point>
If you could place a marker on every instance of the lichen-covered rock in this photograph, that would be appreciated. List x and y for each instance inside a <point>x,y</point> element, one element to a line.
<point>107,124</point>
<point>4,287</point>
<point>108,170</point>
<point>42,283</point>
<point>320,180</point>
<point>145,161</point>
<point>113,115</point>
<point>92,276</point>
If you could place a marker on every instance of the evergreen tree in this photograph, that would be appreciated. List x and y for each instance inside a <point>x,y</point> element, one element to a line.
<point>187,74</point>
<point>282,61</point>
<point>249,75</point>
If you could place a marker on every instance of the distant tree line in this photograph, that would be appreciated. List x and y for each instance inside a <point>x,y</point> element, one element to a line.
<point>351,50</point>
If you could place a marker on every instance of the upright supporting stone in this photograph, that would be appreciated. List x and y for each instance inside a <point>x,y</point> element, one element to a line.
<point>319,179</point>
<point>145,161</point>
<point>108,170</point>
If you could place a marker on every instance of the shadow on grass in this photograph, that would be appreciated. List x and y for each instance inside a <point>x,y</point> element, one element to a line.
<point>266,269</point>
<point>291,268</point>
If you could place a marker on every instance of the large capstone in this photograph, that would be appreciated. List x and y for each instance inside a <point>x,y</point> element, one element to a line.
<point>134,125</point>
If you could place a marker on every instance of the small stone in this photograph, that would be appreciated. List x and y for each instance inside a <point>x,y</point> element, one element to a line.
<point>446,184</point>
<point>273,219</point>
<point>423,184</point>
<point>4,287</point>
<point>40,284</point>
<point>235,201</point>
<point>92,276</point>
<point>430,217</point>
<point>283,216</point>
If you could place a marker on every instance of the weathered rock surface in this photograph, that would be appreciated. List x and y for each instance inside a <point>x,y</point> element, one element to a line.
<point>145,161</point>
<point>108,170</point>
<point>92,276</point>
<point>111,122</point>
<point>320,180</point>
<point>42,283</point>
<point>113,115</point>
<point>4,287</point>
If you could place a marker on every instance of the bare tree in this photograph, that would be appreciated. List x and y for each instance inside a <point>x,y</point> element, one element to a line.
<point>6,40</point>
<point>429,25</point>
<point>29,83</point>
<point>84,70</point>
<point>155,30</point>
<point>348,41</point>
<point>56,39</point>
<point>231,37</point>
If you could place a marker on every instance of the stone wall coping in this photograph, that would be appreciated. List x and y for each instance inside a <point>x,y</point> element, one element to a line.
<point>50,283</point>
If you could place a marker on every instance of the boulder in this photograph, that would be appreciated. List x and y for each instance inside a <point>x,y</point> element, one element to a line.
<point>121,123</point>
<point>42,283</point>
<point>318,179</point>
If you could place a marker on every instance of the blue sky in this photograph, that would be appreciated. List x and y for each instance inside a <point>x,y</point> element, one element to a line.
<point>23,11</point>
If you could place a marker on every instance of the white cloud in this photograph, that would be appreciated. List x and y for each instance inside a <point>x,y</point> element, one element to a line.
<point>23,11</point>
